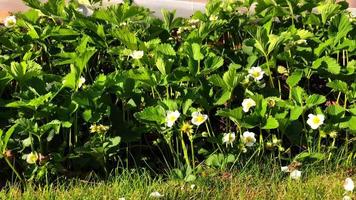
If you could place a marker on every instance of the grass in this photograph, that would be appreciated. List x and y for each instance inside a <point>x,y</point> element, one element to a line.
<point>253,183</point>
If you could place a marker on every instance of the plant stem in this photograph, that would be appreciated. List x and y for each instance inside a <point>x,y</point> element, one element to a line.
<point>185,151</point>
<point>13,169</point>
<point>192,152</point>
<point>319,143</point>
<point>210,135</point>
<point>270,72</point>
<point>167,91</point>
<point>198,67</point>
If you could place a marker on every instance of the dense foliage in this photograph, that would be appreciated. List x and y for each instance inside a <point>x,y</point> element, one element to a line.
<point>87,88</point>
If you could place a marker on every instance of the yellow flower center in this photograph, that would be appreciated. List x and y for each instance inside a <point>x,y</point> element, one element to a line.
<point>316,120</point>
<point>172,118</point>
<point>255,74</point>
<point>200,118</point>
<point>249,139</point>
<point>231,138</point>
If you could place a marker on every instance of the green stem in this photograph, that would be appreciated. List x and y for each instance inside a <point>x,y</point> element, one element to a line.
<point>159,96</point>
<point>279,88</point>
<point>167,91</point>
<point>175,156</point>
<point>207,128</point>
<point>338,98</point>
<point>198,67</point>
<point>13,169</point>
<point>306,132</point>
<point>185,151</point>
<point>332,147</point>
<point>319,143</point>
<point>192,152</point>
<point>270,72</point>
<point>153,92</point>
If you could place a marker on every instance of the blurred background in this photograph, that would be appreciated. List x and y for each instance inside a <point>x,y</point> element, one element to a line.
<point>184,7</point>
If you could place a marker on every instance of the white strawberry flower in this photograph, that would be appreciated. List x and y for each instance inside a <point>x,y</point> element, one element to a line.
<point>229,138</point>
<point>247,104</point>
<point>346,197</point>
<point>285,169</point>
<point>349,185</point>
<point>172,117</point>
<point>198,118</point>
<point>32,157</point>
<point>81,81</point>
<point>295,174</point>
<point>248,138</point>
<point>314,121</point>
<point>156,195</point>
<point>137,54</point>
<point>10,21</point>
<point>213,18</point>
<point>256,73</point>
<point>85,10</point>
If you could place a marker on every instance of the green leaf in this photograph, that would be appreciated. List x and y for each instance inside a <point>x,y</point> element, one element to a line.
<point>197,55</point>
<point>27,142</point>
<point>142,74</point>
<point>166,49</point>
<point>294,78</point>
<point>271,123</point>
<point>152,114</point>
<point>331,64</point>
<point>323,46</point>
<point>127,37</point>
<point>295,112</point>
<point>32,104</point>
<point>72,78</point>
<point>327,10</point>
<point>352,123</point>
<point>31,15</point>
<point>234,114</point>
<point>169,20</point>
<point>87,115</point>
<point>293,132</point>
<point>304,34</point>
<point>306,157</point>
<point>23,71</point>
<point>216,80</point>
<point>344,27</point>
<point>223,98</point>
<point>212,63</point>
<point>6,139</point>
<point>5,78</point>
<point>351,67</point>
<point>338,85</point>
<point>114,142</point>
<point>298,94</point>
<point>161,65</point>
<point>335,110</point>
<point>231,78</point>
<point>315,100</point>
<point>274,41</point>
<point>259,47</point>
<point>186,105</point>
<point>190,178</point>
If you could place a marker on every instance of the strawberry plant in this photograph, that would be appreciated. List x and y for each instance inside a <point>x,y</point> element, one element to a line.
<point>86,87</point>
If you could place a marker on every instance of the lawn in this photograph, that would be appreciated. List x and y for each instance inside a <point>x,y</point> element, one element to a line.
<point>254,182</point>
